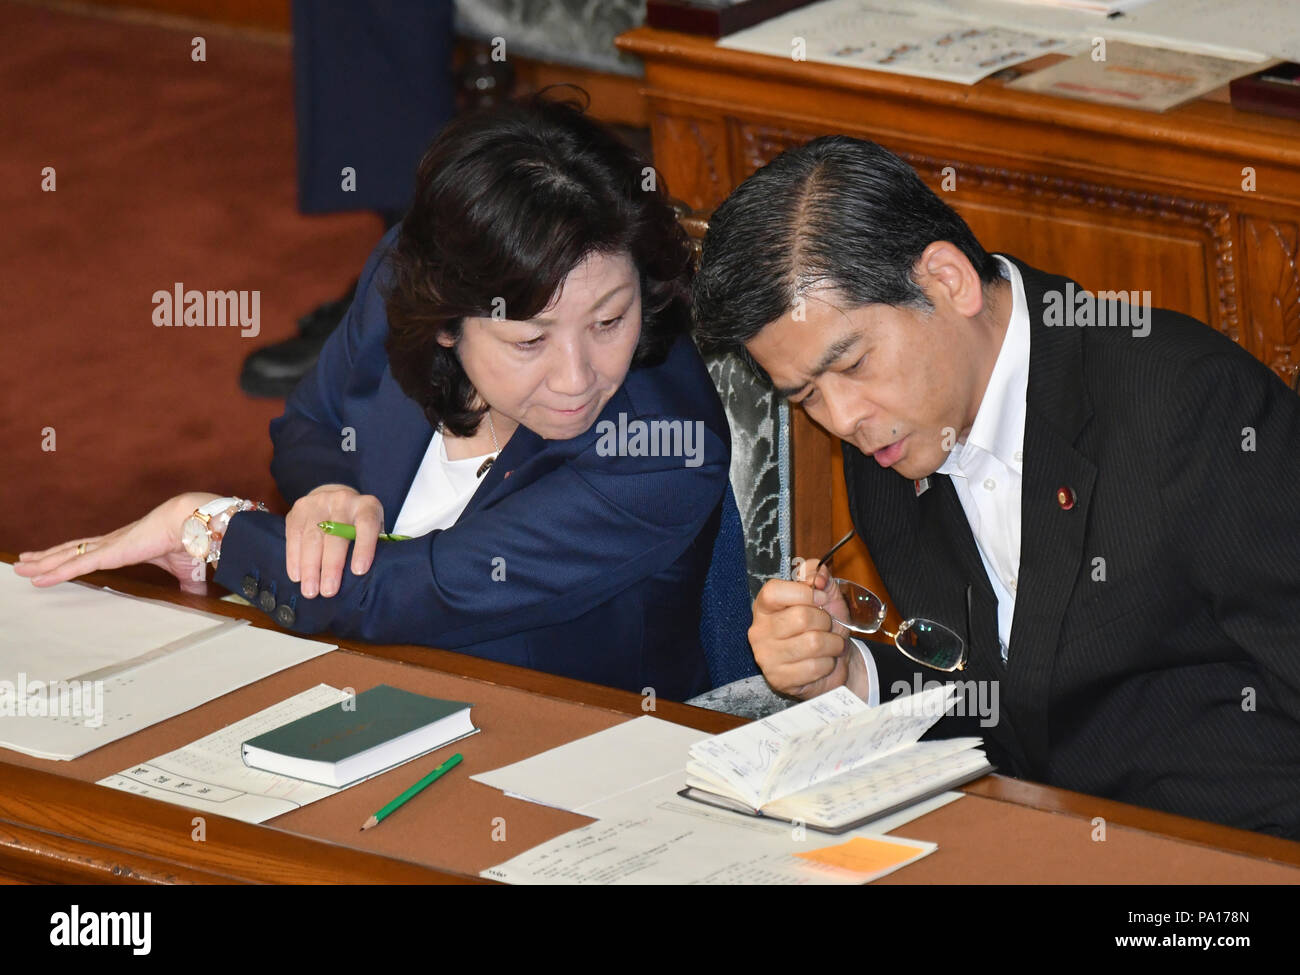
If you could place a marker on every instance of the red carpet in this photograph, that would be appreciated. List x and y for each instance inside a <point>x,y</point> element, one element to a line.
<point>167,171</point>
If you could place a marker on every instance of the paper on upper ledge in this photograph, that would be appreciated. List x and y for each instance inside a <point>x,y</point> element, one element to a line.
<point>1103,7</point>
<point>881,35</point>
<point>210,775</point>
<point>1244,30</point>
<point>1146,78</point>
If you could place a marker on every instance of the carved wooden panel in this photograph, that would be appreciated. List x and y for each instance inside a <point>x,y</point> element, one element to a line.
<point>691,156</point>
<point>1270,249</point>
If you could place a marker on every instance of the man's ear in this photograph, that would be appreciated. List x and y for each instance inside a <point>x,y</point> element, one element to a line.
<point>948,277</point>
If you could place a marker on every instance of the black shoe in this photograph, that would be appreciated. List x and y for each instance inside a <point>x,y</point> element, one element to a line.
<point>276,369</point>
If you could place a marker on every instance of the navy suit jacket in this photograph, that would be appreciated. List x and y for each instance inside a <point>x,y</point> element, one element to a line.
<point>565,560</point>
<point>1155,649</point>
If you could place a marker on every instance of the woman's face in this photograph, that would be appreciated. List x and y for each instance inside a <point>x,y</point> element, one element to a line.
<point>555,373</point>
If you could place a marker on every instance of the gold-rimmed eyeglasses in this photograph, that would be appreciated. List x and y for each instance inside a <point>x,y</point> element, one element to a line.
<point>924,641</point>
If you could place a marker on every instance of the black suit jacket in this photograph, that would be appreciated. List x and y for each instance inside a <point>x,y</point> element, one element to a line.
<point>1167,674</point>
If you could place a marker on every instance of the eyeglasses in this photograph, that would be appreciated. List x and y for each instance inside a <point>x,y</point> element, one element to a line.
<point>924,641</point>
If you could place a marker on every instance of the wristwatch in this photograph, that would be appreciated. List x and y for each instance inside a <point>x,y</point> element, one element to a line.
<point>202,531</point>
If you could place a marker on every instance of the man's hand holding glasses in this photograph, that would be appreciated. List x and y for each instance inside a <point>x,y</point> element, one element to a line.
<point>798,640</point>
<point>802,632</point>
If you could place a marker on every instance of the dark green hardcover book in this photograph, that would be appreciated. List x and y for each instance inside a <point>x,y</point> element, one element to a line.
<point>360,737</point>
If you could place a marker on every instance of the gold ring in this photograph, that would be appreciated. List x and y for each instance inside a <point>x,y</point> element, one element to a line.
<point>81,549</point>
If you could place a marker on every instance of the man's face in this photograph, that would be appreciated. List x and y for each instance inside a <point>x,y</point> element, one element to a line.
<point>900,384</point>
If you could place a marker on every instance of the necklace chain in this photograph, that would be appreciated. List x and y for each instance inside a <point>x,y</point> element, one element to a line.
<point>496,447</point>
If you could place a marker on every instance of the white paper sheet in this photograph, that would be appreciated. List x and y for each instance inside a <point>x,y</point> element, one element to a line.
<point>1102,7</point>
<point>1133,76</point>
<point>672,848</point>
<point>72,629</point>
<point>210,775</point>
<point>598,766</point>
<point>109,695</point>
<point>1245,30</point>
<point>892,36</point>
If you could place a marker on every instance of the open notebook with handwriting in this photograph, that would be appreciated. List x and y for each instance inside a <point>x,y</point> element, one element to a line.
<point>833,763</point>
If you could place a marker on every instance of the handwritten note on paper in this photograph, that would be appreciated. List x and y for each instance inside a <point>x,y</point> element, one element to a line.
<point>666,848</point>
<point>878,786</point>
<point>210,774</point>
<point>893,37</point>
<point>865,736</point>
<point>744,756</point>
<point>1244,30</point>
<point>814,741</point>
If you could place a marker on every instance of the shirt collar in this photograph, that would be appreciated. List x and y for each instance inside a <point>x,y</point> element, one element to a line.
<point>999,427</point>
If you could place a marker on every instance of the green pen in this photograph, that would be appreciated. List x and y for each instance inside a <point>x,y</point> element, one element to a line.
<point>413,791</point>
<point>350,532</point>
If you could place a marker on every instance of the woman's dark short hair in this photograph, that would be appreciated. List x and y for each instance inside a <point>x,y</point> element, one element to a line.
<point>838,212</point>
<point>507,202</point>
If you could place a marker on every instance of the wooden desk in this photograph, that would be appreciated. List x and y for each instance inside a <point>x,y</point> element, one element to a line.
<point>56,825</point>
<point>1116,198</point>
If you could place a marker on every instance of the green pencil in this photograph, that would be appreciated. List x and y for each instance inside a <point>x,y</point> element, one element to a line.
<point>413,791</point>
<point>350,532</point>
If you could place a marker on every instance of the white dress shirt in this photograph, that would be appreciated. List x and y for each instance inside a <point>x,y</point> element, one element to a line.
<point>441,490</point>
<point>986,469</point>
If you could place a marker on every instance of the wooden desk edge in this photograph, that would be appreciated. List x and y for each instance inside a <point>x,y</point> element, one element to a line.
<point>248,860</point>
<point>1169,825</point>
<point>82,824</point>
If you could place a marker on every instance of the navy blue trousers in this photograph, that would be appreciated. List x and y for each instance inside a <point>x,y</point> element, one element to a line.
<point>372,87</point>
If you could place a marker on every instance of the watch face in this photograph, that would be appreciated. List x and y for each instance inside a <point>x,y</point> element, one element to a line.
<point>194,536</point>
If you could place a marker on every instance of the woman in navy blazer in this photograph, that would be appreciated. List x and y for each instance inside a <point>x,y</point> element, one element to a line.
<point>531,310</point>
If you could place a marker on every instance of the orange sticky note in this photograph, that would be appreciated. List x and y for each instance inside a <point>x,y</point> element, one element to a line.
<point>862,855</point>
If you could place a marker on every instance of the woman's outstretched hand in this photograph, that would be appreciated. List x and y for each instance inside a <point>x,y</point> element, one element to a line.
<point>315,560</point>
<point>155,538</point>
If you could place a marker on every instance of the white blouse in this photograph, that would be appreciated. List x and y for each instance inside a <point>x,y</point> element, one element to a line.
<point>441,490</point>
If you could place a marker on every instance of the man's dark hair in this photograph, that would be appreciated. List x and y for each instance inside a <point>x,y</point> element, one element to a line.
<point>507,202</point>
<point>838,212</point>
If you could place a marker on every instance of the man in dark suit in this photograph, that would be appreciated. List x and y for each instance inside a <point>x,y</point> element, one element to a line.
<point>1108,514</point>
